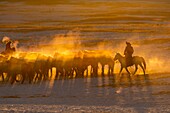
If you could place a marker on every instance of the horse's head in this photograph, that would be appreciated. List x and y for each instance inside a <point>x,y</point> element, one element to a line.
<point>117,56</point>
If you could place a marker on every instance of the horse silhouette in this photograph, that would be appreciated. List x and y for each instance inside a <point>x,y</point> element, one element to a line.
<point>106,60</point>
<point>9,52</point>
<point>136,60</point>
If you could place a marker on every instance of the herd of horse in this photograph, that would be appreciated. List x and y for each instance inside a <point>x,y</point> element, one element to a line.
<point>33,67</point>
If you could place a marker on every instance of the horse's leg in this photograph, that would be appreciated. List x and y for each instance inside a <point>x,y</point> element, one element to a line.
<point>88,71</point>
<point>3,77</point>
<point>95,70</point>
<point>24,77</point>
<point>142,68</point>
<point>120,70</point>
<point>13,78</point>
<point>51,70</point>
<point>136,68</point>
<point>111,70</point>
<point>102,69</point>
<point>127,71</point>
<point>36,77</point>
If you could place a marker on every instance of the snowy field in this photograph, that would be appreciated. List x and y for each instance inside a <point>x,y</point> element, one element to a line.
<point>102,94</point>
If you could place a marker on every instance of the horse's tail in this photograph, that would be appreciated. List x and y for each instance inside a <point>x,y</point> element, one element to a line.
<point>144,63</point>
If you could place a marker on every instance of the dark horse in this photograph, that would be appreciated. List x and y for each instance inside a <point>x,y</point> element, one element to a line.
<point>136,60</point>
<point>8,52</point>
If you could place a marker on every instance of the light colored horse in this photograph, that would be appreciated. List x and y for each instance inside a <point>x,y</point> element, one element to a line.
<point>135,61</point>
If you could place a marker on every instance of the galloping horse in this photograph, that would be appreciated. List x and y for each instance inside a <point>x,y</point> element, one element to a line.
<point>135,61</point>
<point>9,51</point>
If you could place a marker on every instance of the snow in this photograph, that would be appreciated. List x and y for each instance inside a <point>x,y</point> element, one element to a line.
<point>95,94</point>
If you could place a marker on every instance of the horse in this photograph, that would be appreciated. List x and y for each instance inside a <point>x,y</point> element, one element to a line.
<point>136,60</point>
<point>106,60</point>
<point>3,65</point>
<point>9,52</point>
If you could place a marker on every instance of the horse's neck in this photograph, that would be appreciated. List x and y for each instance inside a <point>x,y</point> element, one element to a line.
<point>121,59</point>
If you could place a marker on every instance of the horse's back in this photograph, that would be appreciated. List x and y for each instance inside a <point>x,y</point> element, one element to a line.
<point>137,59</point>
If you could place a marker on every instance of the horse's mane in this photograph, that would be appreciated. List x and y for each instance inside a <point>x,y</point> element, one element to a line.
<point>119,54</point>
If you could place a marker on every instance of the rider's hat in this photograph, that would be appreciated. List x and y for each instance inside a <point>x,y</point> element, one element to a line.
<point>6,39</point>
<point>128,43</point>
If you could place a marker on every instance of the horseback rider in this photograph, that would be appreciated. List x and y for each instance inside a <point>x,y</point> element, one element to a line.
<point>9,47</point>
<point>128,53</point>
